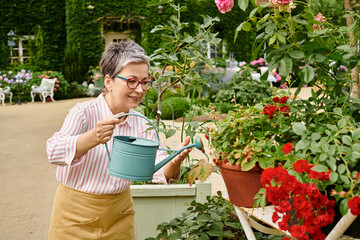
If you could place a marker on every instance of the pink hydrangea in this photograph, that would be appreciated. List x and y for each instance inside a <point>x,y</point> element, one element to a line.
<point>224,6</point>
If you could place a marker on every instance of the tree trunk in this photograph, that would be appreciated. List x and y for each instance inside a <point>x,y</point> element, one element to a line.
<point>355,70</point>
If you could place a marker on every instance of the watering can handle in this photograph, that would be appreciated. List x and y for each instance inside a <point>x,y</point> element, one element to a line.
<point>138,115</point>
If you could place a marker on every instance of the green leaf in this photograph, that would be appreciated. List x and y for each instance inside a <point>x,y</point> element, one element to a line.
<point>281,38</point>
<point>332,164</point>
<point>203,218</point>
<point>342,122</point>
<point>302,144</point>
<point>272,39</point>
<point>324,146</point>
<point>243,4</point>
<point>332,127</point>
<point>323,157</point>
<point>356,134</point>
<point>228,234</point>
<point>170,133</point>
<point>299,128</point>
<point>269,29</point>
<point>341,168</point>
<point>246,26</point>
<point>338,111</point>
<point>252,13</point>
<point>296,54</point>
<point>333,177</point>
<point>347,140</point>
<point>344,206</point>
<point>308,74</point>
<point>216,229</point>
<point>356,155</point>
<point>320,168</point>
<point>315,136</point>
<point>189,39</point>
<point>285,66</point>
<point>174,236</point>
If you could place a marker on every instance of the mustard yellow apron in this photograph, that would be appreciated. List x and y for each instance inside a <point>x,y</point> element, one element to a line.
<point>80,215</point>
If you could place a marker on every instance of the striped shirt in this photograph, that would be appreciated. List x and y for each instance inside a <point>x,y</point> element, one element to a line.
<point>89,172</point>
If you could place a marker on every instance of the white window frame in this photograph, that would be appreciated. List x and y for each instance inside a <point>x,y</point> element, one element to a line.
<point>20,48</point>
<point>211,47</point>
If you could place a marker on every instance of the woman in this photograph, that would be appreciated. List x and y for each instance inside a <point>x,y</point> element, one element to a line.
<point>90,203</point>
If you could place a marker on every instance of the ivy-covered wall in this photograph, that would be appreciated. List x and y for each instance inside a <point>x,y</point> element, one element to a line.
<point>68,37</point>
<point>44,19</point>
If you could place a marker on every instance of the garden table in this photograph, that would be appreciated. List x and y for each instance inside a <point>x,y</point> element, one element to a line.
<point>247,215</point>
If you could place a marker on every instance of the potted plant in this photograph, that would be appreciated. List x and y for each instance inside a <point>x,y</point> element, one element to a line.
<point>249,139</point>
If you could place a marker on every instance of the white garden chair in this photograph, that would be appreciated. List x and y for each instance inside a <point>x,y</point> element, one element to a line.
<point>45,89</point>
<point>5,91</point>
<point>92,90</point>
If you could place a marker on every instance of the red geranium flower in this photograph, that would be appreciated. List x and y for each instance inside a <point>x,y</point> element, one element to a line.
<point>301,166</point>
<point>287,148</point>
<point>354,205</point>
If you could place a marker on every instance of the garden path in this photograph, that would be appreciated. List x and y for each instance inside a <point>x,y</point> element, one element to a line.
<point>28,181</point>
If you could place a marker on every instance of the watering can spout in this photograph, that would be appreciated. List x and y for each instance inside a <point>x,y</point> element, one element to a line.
<point>198,144</point>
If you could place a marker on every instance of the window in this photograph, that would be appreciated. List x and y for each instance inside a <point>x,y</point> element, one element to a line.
<point>116,36</point>
<point>19,48</point>
<point>215,52</point>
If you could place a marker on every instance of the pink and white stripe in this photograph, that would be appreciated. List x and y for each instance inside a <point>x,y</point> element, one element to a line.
<point>89,172</point>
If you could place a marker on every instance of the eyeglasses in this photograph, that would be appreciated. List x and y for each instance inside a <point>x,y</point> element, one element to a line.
<point>132,83</point>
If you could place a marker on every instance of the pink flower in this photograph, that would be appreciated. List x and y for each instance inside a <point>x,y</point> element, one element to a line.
<point>57,85</point>
<point>224,5</point>
<point>41,76</point>
<point>319,17</point>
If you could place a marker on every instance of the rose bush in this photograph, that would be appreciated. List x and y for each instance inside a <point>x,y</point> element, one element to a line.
<point>301,41</point>
<point>300,208</point>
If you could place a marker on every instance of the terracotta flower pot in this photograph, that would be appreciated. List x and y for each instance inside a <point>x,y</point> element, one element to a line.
<point>241,186</point>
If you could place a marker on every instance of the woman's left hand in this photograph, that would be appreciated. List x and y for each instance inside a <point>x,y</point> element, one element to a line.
<point>179,158</point>
<point>173,167</point>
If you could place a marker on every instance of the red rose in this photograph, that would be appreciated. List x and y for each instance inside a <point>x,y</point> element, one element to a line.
<point>297,231</point>
<point>319,175</point>
<point>283,99</point>
<point>287,148</point>
<point>301,166</point>
<point>354,205</point>
<point>285,109</point>
<point>276,99</point>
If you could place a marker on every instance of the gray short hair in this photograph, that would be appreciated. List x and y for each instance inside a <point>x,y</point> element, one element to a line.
<point>118,54</point>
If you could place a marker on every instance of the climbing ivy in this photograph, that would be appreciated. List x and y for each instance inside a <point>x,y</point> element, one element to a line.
<point>60,26</point>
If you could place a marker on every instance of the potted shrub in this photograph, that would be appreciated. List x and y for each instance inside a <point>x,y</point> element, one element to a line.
<point>250,139</point>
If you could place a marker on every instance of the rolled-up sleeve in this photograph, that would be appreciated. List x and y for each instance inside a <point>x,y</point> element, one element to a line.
<point>61,147</point>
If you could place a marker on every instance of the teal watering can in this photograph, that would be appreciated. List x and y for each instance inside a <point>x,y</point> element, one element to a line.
<point>133,158</point>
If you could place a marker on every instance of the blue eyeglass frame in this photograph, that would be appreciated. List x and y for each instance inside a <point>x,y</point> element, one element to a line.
<point>140,82</point>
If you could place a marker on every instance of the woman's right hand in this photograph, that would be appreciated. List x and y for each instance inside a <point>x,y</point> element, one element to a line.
<point>104,128</point>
